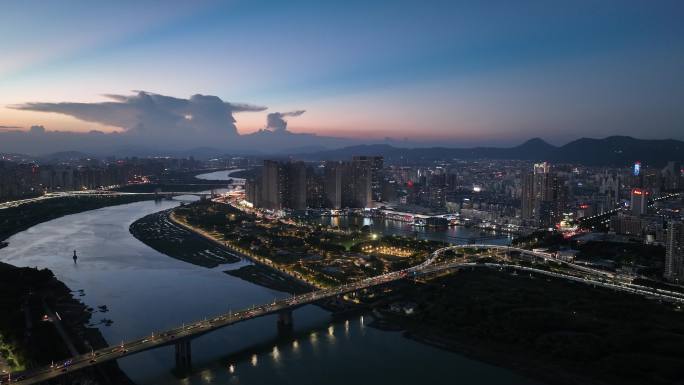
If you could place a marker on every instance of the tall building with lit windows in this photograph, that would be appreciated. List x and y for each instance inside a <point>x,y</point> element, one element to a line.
<point>542,197</point>
<point>333,184</point>
<point>639,201</point>
<point>270,185</point>
<point>674,252</point>
<point>282,185</point>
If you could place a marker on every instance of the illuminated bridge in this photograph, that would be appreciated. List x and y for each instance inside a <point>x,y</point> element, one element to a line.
<point>181,336</point>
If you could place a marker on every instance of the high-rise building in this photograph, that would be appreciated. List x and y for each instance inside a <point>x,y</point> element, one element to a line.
<point>527,198</point>
<point>542,197</point>
<point>293,185</point>
<point>362,180</point>
<point>674,252</point>
<point>376,165</point>
<point>333,184</point>
<point>281,185</point>
<point>626,224</point>
<point>639,201</point>
<point>270,185</point>
<point>253,191</point>
<point>315,188</point>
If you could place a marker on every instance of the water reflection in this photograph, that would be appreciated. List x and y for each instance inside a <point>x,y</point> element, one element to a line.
<point>300,360</point>
<point>146,291</point>
<point>452,234</point>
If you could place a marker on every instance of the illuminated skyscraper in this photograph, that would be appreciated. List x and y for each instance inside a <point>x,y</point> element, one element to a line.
<point>270,185</point>
<point>542,197</point>
<point>674,252</point>
<point>333,184</point>
<point>639,201</point>
<point>376,165</point>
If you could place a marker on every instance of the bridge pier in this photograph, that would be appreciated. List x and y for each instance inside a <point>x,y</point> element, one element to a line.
<point>285,323</point>
<point>183,356</point>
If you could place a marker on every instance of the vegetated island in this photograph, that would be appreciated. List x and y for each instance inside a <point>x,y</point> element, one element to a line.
<point>160,233</point>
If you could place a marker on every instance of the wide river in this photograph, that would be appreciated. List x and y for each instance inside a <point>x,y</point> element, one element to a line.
<point>147,291</point>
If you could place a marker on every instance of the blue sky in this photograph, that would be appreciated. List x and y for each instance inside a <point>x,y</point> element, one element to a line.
<point>477,72</point>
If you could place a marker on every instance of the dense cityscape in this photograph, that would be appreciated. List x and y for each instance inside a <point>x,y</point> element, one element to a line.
<point>303,192</point>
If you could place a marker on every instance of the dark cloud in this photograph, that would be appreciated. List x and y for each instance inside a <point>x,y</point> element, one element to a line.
<point>276,123</point>
<point>158,124</point>
<point>37,130</point>
<point>155,116</point>
<point>10,127</point>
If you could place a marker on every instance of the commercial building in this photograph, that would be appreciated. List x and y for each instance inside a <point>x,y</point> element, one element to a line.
<point>639,201</point>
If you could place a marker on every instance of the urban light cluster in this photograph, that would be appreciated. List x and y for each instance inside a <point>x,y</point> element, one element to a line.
<point>388,250</point>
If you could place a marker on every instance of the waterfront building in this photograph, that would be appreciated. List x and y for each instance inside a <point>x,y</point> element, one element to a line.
<point>270,186</point>
<point>333,184</point>
<point>376,165</point>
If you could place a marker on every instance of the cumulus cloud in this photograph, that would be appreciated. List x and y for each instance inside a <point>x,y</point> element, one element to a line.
<point>37,130</point>
<point>276,123</point>
<point>156,116</point>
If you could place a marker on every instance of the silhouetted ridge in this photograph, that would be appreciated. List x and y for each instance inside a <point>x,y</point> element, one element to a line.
<point>610,151</point>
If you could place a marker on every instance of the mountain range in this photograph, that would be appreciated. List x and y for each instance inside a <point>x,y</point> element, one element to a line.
<point>610,151</point>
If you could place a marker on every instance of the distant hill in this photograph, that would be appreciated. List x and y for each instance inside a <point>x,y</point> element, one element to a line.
<point>610,151</point>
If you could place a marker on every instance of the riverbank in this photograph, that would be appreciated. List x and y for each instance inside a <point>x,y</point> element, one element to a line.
<point>272,279</point>
<point>16,219</point>
<point>26,295</point>
<point>548,329</point>
<point>179,181</point>
<point>243,253</point>
<point>159,232</point>
<point>267,274</point>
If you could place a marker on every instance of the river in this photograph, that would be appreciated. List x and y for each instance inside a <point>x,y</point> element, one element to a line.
<point>147,291</point>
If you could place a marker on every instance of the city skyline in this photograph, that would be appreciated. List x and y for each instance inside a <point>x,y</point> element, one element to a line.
<point>456,74</point>
<point>333,192</point>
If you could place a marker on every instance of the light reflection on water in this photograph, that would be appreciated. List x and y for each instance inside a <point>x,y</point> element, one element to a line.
<point>373,357</point>
<point>146,291</point>
<point>452,234</point>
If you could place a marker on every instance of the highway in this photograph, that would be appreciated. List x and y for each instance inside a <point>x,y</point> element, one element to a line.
<point>197,328</point>
<point>55,195</point>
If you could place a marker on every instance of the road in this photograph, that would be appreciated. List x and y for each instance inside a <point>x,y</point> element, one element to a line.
<point>197,328</point>
<point>55,195</point>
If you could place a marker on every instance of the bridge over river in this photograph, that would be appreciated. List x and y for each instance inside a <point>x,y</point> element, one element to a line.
<point>181,336</point>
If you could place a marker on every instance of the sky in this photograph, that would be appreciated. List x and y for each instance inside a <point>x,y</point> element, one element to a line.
<point>448,72</point>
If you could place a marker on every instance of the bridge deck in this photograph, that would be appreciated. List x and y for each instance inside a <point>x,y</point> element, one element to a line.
<point>198,328</point>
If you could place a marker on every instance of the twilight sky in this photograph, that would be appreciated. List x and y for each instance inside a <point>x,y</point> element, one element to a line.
<point>450,72</point>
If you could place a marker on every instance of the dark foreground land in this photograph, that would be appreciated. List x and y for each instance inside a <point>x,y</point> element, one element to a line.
<point>160,233</point>
<point>16,219</point>
<point>557,331</point>
<point>26,296</point>
<point>270,278</point>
